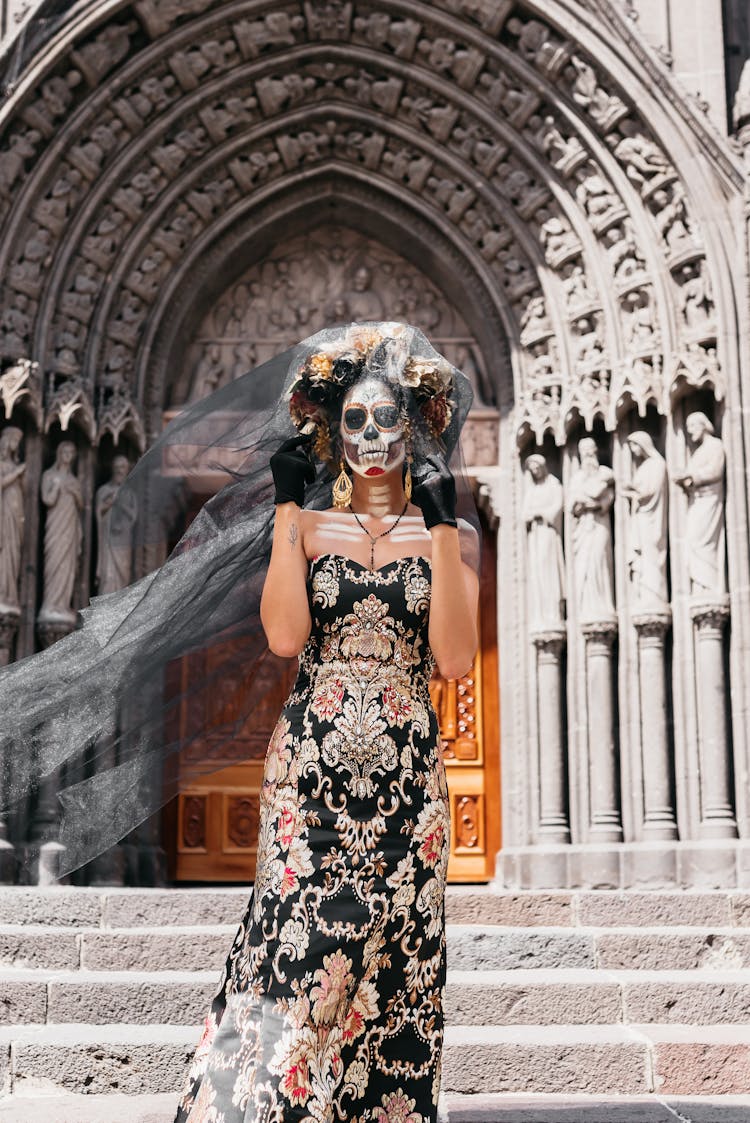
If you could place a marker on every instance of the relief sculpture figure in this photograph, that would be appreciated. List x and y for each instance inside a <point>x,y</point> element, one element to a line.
<point>114,561</point>
<point>592,493</point>
<point>703,483</point>
<point>11,515</point>
<point>647,492</point>
<point>61,495</point>
<point>542,516</point>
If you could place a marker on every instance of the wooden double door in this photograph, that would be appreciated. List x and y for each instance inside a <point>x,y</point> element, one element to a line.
<point>213,829</point>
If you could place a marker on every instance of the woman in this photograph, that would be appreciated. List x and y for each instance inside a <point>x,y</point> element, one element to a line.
<point>330,1006</point>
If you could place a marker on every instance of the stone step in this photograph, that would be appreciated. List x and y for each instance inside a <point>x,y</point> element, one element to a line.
<point>126,908</point>
<point>44,1105</point>
<point>474,998</point>
<point>536,1060</point>
<point>205,947</point>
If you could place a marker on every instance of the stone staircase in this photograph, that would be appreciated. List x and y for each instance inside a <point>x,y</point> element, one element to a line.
<point>559,995</point>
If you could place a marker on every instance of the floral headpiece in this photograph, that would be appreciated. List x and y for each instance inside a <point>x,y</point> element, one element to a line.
<point>326,375</point>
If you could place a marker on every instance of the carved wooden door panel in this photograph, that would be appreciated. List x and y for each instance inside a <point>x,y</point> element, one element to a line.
<point>467,709</point>
<point>214,831</point>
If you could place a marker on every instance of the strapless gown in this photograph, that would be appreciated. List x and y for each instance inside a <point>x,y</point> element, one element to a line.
<point>330,1005</point>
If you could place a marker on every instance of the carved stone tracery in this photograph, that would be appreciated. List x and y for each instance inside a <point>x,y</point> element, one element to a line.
<point>492,65</point>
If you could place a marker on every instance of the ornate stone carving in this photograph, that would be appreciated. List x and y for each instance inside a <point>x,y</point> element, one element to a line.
<point>644,162</point>
<point>61,495</point>
<point>590,498</point>
<point>542,512</point>
<point>696,299</point>
<point>647,529</point>
<point>70,398</point>
<point>114,566</point>
<point>102,53</point>
<point>331,274</point>
<point>12,517</point>
<point>640,327</point>
<point>703,482</point>
<point>604,108</point>
<point>637,380</point>
<point>698,366</point>
<point>536,43</point>
<point>21,383</point>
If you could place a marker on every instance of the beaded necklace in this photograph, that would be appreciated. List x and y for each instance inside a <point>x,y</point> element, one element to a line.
<point>374,537</point>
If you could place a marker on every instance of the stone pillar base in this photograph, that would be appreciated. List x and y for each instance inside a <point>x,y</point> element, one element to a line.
<point>42,861</point>
<point>628,865</point>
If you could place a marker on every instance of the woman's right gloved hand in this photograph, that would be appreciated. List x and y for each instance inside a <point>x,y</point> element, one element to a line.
<point>292,469</point>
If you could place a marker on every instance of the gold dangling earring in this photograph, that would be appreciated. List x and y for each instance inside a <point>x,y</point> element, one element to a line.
<point>342,489</point>
<point>407,440</point>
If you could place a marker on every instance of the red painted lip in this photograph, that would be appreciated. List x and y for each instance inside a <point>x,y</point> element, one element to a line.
<point>375,472</point>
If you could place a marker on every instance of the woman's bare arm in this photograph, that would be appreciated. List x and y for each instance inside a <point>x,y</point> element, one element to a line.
<point>453,605</point>
<point>284,608</point>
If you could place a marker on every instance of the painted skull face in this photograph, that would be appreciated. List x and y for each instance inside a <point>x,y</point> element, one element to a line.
<point>371,429</point>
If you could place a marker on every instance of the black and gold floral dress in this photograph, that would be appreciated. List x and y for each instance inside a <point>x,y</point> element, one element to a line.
<point>331,1003</point>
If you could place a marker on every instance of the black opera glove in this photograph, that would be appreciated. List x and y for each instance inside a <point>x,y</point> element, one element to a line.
<point>292,469</point>
<point>434,491</point>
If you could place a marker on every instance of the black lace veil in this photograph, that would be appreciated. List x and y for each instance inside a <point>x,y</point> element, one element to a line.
<point>106,712</point>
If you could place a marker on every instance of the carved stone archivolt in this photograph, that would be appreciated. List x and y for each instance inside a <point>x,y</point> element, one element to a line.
<point>497,125</point>
<point>186,188</point>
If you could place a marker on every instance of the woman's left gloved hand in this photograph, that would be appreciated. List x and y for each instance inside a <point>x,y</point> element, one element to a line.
<point>434,491</point>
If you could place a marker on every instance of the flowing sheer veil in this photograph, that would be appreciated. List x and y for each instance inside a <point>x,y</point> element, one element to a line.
<point>103,710</point>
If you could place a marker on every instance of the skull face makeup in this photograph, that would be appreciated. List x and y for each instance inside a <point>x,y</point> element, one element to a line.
<point>371,428</point>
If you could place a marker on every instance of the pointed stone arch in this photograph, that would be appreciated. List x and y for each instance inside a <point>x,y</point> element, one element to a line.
<point>545,160</point>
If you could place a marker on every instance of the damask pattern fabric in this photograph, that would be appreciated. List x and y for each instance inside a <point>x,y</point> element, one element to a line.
<point>330,1006</point>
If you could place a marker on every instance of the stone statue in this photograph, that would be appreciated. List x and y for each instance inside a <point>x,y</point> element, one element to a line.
<point>703,483</point>
<point>542,515</point>
<point>647,553</point>
<point>592,493</point>
<point>11,516</point>
<point>363,303</point>
<point>209,372</point>
<point>114,561</point>
<point>61,495</point>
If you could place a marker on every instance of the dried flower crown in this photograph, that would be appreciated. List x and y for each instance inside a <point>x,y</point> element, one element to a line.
<point>325,376</point>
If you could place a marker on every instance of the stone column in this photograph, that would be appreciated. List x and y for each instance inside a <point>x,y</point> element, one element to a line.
<point>552,825</point>
<point>605,823</point>
<point>44,851</point>
<point>107,868</point>
<point>716,804</point>
<point>8,625</point>
<point>659,820</point>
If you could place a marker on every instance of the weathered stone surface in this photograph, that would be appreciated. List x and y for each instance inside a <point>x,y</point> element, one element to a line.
<point>688,1062</point>
<point>694,997</point>
<point>471,906</point>
<point>502,949</point>
<point>610,909</point>
<point>35,946</point>
<point>169,998</point>
<point>127,909</point>
<point>661,950</point>
<point>22,999</point>
<point>102,1059</point>
<point>197,949</point>
<point>60,907</point>
<point>537,997</point>
<point>740,903</point>
<point>545,1059</point>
